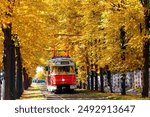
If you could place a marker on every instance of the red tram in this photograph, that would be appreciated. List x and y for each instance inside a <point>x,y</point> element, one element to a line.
<point>61,74</point>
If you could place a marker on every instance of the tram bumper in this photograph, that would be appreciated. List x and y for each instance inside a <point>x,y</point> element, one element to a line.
<point>73,87</point>
<point>51,88</point>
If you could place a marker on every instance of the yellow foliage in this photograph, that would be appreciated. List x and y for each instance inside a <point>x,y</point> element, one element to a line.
<point>89,29</point>
<point>40,75</point>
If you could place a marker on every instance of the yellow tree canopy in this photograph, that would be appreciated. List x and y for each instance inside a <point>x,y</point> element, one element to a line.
<point>89,29</point>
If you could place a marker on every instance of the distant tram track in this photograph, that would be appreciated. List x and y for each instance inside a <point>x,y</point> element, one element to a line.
<point>49,95</point>
<point>52,96</point>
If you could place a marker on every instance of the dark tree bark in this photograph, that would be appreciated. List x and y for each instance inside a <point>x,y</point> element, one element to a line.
<point>84,85</point>
<point>88,72</point>
<point>109,80</point>
<point>123,47</point>
<point>80,85</point>
<point>92,80</point>
<point>101,80</point>
<point>12,79</point>
<point>145,92</point>
<point>9,63</point>
<point>123,85</point>
<point>88,78</point>
<point>96,77</point>
<point>19,81</point>
<point>29,81</point>
<point>25,77</point>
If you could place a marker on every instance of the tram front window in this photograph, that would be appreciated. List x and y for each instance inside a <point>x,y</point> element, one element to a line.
<point>62,69</point>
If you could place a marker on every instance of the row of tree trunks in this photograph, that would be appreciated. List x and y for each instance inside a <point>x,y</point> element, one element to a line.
<point>13,81</point>
<point>123,41</point>
<point>94,84</point>
<point>94,78</point>
<point>12,67</point>
<point>82,85</point>
<point>7,60</point>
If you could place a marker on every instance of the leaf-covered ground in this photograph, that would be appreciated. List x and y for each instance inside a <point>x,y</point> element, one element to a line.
<point>86,94</point>
<point>81,94</point>
<point>32,93</point>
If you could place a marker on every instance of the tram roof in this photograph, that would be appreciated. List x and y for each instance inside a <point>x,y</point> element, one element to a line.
<point>60,57</point>
<point>61,61</point>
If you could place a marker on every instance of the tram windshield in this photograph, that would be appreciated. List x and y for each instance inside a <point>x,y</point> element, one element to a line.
<point>62,70</point>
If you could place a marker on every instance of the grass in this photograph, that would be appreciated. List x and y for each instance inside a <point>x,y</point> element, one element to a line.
<point>98,95</point>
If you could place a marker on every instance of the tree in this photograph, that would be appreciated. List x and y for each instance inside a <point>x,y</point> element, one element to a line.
<point>123,47</point>
<point>9,63</point>
<point>19,79</point>
<point>146,49</point>
<point>40,75</point>
<point>101,80</point>
<point>90,29</point>
<point>9,51</point>
<point>109,79</point>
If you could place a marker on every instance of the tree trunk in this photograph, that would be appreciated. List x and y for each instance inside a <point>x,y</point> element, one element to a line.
<point>9,63</point>
<point>29,79</point>
<point>123,48</point>
<point>19,82</point>
<point>145,91</point>
<point>80,85</point>
<point>92,80</point>
<point>88,71</point>
<point>96,77</point>
<point>123,85</point>
<point>84,85</point>
<point>109,80</point>
<point>25,76</point>
<point>88,78</point>
<point>12,76</point>
<point>101,80</point>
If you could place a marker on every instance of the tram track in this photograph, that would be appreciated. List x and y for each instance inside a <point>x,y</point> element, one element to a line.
<point>49,95</point>
<point>77,95</point>
<point>55,96</point>
<point>52,96</point>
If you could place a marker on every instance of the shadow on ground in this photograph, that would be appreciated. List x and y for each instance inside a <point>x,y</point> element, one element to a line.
<point>32,93</point>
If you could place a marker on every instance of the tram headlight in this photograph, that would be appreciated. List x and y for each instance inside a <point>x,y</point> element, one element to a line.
<point>63,80</point>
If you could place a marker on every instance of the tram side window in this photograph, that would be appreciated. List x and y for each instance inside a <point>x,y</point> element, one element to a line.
<point>54,70</point>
